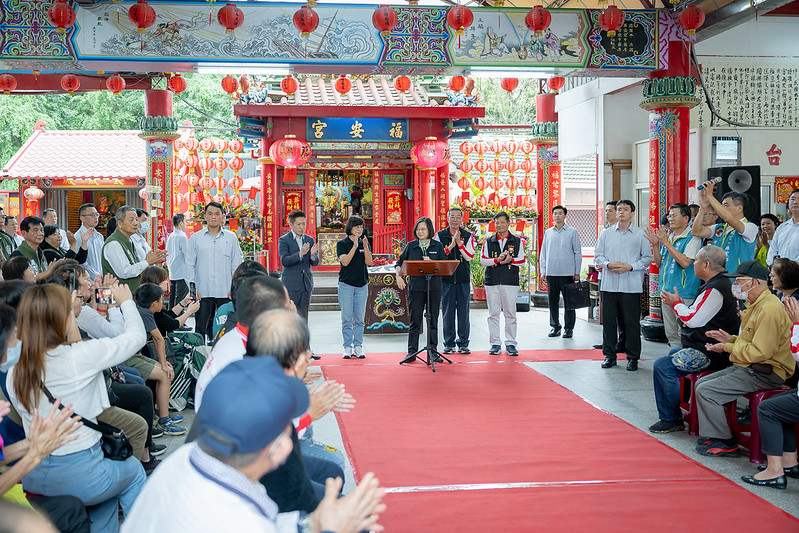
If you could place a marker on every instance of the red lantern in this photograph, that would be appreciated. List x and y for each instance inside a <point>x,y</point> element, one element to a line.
<point>206,164</point>
<point>527,165</point>
<point>230,17</point>
<point>176,84</point>
<point>480,147</point>
<point>481,183</point>
<point>497,166</point>
<point>511,201</point>
<point>512,184</point>
<point>527,147</point>
<point>236,182</point>
<point>497,183</point>
<point>528,183</point>
<point>177,181</point>
<point>384,19</point>
<point>611,19</point>
<point>230,85</point>
<point>556,83</point>
<point>220,164</point>
<point>343,85</point>
<point>290,152</point>
<point>497,147</point>
<point>430,153</point>
<point>528,202</point>
<point>70,83</point>
<point>402,83</point>
<point>509,84</point>
<point>481,201</point>
<point>61,15</point>
<point>538,19</point>
<point>457,83</point>
<point>7,83</point>
<point>206,145</point>
<point>459,18</point>
<point>177,163</point>
<point>510,147</point>
<point>34,193</point>
<point>511,166</point>
<point>192,160</point>
<point>192,179</point>
<point>206,183</point>
<point>466,148</point>
<point>221,182</point>
<point>116,84</point>
<point>464,183</point>
<point>236,146</point>
<point>142,16</point>
<point>691,19</point>
<point>289,85</point>
<point>466,166</point>
<point>220,145</point>
<point>306,21</point>
<point>236,202</point>
<point>481,166</point>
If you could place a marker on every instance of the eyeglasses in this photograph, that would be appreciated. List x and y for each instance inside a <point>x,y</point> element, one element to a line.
<point>91,215</point>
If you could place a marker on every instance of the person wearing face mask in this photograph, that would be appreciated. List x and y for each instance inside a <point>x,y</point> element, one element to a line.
<point>139,238</point>
<point>760,355</point>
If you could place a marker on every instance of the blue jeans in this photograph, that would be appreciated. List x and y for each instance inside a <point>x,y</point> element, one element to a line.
<point>666,378</point>
<point>353,310</point>
<point>455,301</point>
<point>319,470</point>
<point>131,375</point>
<point>100,483</point>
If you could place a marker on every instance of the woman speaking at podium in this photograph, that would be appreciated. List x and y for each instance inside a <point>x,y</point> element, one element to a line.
<point>423,247</point>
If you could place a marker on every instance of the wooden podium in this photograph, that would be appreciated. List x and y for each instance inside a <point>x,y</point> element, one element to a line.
<point>428,268</point>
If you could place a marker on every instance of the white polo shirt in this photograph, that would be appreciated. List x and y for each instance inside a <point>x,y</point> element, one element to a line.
<point>229,348</point>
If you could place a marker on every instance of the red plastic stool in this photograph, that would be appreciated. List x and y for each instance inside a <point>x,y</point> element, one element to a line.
<point>688,405</point>
<point>748,436</point>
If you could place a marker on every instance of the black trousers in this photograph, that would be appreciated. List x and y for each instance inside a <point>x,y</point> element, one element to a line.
<point>178,289</point>
<point>417,301</point>
<point>776,418</point>
<point>67,513</point>
<point>136,399</point>
<point>622,308</point>
<point>555,287</point>
<point>302,299</point>
<point>204,319</point>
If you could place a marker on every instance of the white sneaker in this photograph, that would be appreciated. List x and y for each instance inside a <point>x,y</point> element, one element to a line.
<point>359,352</point>
<point>347,352</point>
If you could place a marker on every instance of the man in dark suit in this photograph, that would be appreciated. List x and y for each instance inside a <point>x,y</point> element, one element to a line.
<point>298,253</point>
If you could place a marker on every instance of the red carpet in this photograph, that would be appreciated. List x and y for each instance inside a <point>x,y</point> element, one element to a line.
<point>504,423</point>
<point>524,355</point>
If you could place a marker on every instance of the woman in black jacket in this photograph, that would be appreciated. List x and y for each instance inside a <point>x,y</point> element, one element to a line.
<point>51,246</point>
<point>423,247</point>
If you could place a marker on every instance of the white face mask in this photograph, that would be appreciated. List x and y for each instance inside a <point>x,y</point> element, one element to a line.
<point>12,357</point>
<point>739,293</point>
<point>144,227</point>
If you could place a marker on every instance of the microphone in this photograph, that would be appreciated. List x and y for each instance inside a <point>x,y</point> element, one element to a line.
<point>714,181</point>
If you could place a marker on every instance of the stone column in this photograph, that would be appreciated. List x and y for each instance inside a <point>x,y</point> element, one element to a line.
<point>159,129</point>
<point>669,101</point>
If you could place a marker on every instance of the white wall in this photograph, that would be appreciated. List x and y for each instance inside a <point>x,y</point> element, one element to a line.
<point>767,37</point>
<point>624,122</point>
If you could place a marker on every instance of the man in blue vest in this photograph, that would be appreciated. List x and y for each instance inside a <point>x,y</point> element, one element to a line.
<point>736,235</point>
<point>674,255</point>
<point>459,245</point>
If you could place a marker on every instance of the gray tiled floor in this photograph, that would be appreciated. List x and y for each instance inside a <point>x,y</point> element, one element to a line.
<point>627,395</point>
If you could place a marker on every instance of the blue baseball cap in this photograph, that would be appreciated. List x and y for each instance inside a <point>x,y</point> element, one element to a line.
<point>248,404</point>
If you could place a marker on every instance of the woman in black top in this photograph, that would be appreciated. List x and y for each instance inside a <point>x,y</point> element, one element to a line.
<point>354,255</point>
<point>424,247</point>
<point>51,246</point>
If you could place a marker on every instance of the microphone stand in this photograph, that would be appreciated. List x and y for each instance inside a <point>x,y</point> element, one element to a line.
<point>433,355</point>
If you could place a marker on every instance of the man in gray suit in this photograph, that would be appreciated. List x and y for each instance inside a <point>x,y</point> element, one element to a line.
<point>298,253</point>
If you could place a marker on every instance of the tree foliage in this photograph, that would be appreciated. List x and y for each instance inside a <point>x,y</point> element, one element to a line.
<point>101,110</point>
<point>517,107</point>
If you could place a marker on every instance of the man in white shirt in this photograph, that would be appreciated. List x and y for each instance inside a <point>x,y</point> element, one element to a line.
<point>561,258</point>
<point>176,245</point>
<point>140,237</point>
<point>89,217</point>
<point>211,258</point>
<point>50,218</point>
<point>235,448</point>
<point>786,239</point>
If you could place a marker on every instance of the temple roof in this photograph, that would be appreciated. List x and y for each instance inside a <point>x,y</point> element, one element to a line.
<point>79,154</point>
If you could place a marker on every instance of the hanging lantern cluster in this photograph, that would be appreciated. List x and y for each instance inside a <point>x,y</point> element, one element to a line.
<point>459,18</point>
<point>176,84</point>
<point>538,19</point>
<point>290,153</point>
<point>7,83</point>
<point>230,17</point>
<point>61,15</point>
<point>611,20</point>
<point>385,19</point>
<point>497,185</point>
<point>306,20</point>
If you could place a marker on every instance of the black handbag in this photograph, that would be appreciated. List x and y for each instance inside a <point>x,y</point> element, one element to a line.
<point>576,295</point>
<point>115,444</point>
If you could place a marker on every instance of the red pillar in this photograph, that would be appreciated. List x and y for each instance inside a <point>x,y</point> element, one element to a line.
<point>548,181</point>
<point>426,201</point>
<point>669,96</point>
<point>270,206</point>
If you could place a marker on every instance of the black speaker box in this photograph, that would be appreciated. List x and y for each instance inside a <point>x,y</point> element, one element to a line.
<point>745,180</point>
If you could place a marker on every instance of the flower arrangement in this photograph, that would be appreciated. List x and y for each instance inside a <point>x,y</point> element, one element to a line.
<point>489,210</point>
<point>246,210</point>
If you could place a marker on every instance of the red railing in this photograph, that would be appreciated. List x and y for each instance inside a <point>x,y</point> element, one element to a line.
<point>388,239</point>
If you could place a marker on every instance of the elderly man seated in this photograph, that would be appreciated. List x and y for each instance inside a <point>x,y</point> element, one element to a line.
<point>244,432</point>
<point>760,355</point>
<point>715,308</point>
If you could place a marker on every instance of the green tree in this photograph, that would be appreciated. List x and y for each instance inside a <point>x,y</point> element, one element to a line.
<point>101,110</point>
<point>501,107</point>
